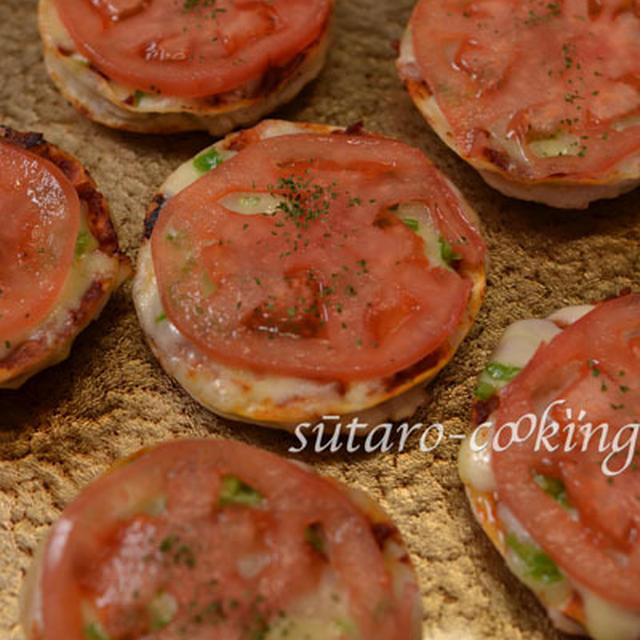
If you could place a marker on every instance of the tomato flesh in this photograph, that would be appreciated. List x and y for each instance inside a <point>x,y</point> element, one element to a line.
<point>332,285</point>
<point>191,48</point>
<point>40,219</point>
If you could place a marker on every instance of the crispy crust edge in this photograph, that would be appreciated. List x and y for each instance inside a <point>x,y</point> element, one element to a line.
<point>36,354</point>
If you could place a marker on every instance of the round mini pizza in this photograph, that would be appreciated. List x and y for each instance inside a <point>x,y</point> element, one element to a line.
<point>59,261</point>
<point>543,98</point>
<point>179,65</point>
<point>295,270</point>
<point>561,500</point>
<point>206,539</point>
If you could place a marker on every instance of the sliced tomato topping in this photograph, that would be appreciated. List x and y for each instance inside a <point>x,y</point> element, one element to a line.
<point>594,365</point>
<point>331,284</point>
<point>196,538</point>
<point>544,88</point>
<point>40,220</point>
<point>192,48</point>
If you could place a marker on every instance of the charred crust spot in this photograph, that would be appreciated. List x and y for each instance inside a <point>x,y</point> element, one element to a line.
<point>383,531</point>
<point>153,212</point>
<point>482,409</point>
<point>410,373</point>
<point>28,140</point>
<point>497,158</point>
<point>395,45</point>
<point>242,140</point>
<point>625,291</point>
<point>100,73</point>
<point>63,51</point>
<point>341,388</point>
<point>354,129</point>
<point>275,76</point>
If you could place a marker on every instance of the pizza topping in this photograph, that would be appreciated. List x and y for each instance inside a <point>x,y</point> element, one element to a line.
<point>486,62</point>
<point>296,258</point>
<point>596,541</point>
<point>248,544</point>
<point>191,49</point>
<point>39,236</point>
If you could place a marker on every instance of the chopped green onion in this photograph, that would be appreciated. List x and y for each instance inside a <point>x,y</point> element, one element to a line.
<point>484,391</point>
<point>502,372</point>
<point>82,243</point>
<point>94,631</point>
<point>447,254</point>
<point>413,224</point>
<point>234,491</point>
<point>161,317</point>
<point>137,96</point>
<point>554,487</point>
<point>538,564</point>
<point>207,160</point>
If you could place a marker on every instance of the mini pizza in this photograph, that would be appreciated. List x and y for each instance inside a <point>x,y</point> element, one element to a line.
<point>561,502</point>
<point>296,270</point>
<point>59,261</point>
<point>177,65</point>
<point>542,98</point>
<point>206,539</point>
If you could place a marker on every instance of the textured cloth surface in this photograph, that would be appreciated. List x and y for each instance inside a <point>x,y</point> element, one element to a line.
<point>110,397</point>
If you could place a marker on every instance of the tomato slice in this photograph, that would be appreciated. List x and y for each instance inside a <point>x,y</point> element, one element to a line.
<point>40,220</point>
<point>191,48</point>
<point>331,284</point>
<point>553,87</point>
<point>594,365</point>
<point>167,523</point>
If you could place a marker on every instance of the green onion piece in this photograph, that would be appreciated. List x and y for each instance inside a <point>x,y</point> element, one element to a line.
<point>413,224</point>
<point>484,391</point>
<point>539,565</point>
<point>447,254</point>
<point>94,631</point>
<point>207,160</point>
<point>161,610</point>
<point>137,96</point>
<point>82,243</point>
<point>234,491</point>
<point>314,535</point>
<point>553,487</point>
<point>502,372</point>
<point>161,317</point>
